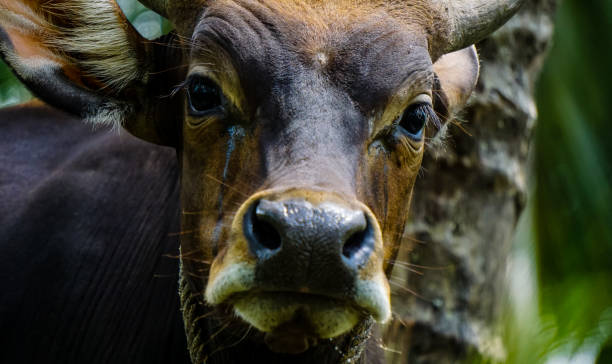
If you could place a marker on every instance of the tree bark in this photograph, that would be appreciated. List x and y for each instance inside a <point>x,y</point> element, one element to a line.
<point>448,283</point>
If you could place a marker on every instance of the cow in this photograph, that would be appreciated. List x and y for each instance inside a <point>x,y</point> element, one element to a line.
<point>299,127</point>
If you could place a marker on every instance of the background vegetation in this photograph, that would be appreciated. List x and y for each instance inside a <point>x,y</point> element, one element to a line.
<point>567,231</point>
<point>561,285</point>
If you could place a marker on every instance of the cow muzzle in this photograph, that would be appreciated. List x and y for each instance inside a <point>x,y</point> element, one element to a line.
<point>302,264</point>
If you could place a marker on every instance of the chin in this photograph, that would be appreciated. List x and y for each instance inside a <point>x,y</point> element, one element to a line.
<point>293,322</point>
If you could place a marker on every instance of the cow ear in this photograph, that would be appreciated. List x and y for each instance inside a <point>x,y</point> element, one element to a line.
<point>85,58</point>
<point>456,77</point>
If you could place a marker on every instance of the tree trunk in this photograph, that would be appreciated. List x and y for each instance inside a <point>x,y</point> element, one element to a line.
<point>448,298</point>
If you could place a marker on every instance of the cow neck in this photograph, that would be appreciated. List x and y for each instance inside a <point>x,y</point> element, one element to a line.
<point>347,349</point>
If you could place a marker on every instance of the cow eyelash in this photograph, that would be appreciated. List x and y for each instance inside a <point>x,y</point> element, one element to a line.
<point>415,119</point>
<point>184,85</point>
<point>204,96</point>
<point>432,116</point>
<point>180,87</point>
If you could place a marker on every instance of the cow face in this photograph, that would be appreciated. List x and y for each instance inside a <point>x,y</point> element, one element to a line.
<point>302,138</point>
<point>303,135</point>
<point>300,128</point>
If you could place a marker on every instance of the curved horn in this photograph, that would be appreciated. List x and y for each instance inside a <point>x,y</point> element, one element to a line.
<point>158,6</point>
<point>469,21</point>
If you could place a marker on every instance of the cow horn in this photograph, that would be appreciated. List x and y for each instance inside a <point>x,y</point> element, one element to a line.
<point>158,6</point>
<point>470,21</point>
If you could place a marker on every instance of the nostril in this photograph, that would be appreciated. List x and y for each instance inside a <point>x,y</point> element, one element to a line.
<point>359,245</point>
<point>353,244</point>
<point>266,234</point>
<point>263,232</point>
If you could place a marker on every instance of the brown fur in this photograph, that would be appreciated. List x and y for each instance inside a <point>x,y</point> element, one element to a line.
<point>314,22</point>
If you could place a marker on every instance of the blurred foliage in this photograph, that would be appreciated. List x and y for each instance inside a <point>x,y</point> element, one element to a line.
<point>569,319</point>
<point>149,24</point>
<point>11,91</point>
<point>573,200</point>
<point>569,222</point>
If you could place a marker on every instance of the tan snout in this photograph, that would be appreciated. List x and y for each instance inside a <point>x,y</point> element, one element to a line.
<point>302,255</point>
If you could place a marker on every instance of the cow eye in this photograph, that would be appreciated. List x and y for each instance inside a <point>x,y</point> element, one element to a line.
<point>204,95</point>
<point>412,122</point>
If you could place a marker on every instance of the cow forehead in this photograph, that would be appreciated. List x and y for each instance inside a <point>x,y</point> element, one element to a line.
<point>361,47</point>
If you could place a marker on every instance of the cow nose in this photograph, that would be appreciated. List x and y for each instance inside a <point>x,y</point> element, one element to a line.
<point>327,232</point>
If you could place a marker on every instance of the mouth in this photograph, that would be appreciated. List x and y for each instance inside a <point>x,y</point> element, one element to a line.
<point>293,322</point>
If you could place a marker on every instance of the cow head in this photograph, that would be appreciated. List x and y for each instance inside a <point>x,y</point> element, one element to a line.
<point>300,127</point>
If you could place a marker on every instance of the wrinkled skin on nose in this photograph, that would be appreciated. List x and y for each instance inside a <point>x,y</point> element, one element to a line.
<point>311,245</point>
<point>312,260</point>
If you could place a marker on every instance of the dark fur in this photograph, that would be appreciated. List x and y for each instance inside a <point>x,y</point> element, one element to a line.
<point>85,220</point>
